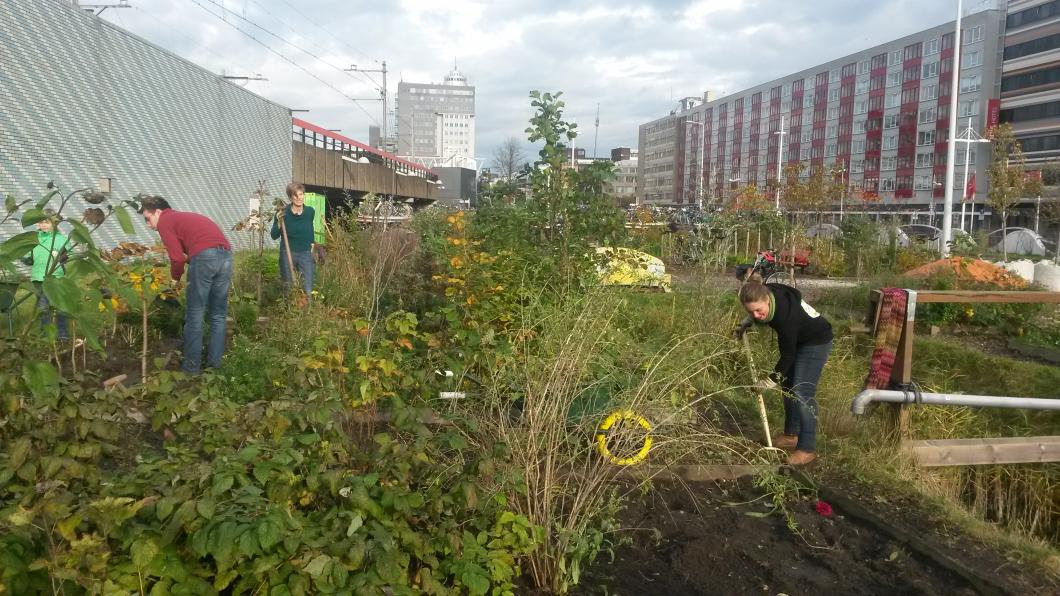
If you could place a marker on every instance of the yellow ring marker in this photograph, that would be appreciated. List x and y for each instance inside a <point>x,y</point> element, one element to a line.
<point>608,423</point>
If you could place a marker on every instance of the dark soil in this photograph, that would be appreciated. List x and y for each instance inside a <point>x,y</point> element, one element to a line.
<point>713,539</point>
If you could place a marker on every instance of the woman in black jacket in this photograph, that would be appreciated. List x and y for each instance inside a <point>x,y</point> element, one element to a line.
<point>805,341</point>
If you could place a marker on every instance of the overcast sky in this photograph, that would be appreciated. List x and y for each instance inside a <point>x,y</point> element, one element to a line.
<point>634,59</point>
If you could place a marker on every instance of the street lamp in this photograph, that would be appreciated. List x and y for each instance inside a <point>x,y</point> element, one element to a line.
<point>968,137</point>
<point>780,142</point>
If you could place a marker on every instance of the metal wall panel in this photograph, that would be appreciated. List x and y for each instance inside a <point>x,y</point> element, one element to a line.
<point>81,99</point>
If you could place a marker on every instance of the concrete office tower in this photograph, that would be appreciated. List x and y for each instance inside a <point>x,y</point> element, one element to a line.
<point>436,122</point>
<point>879,116</point>
<point>1030,82</point>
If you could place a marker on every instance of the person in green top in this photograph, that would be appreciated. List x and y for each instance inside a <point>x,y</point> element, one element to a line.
<point>297,218</point>
<point>46,259</point>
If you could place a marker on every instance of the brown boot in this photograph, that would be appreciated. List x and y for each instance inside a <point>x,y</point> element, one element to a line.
<point>785,441</point>
<point>801,458</point>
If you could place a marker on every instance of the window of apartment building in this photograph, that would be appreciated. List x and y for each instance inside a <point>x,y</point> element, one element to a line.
<point>863,67</point>
<point>925,137</point>
<point>968,107</point>
<point>833,112</point>
<point>879,61</point>
<point>944,88</point>
<point>911,74</point>
<point>931,46</point>
<point>861,107</point>
<point>861,86</point>
<point>912,51</point>
<point>807,136</point>
<point>970,83</point>
<point>807,100</point>
<point>857,166</point>
<point>888,163</point>
<point>890,121</point>
<point>875,104</point>
<point>859,127</point>
<point>947,41</point>
<point>857,146</point>
<point>973,34</point>
<point>833,75</point>
<point>894,79</point>
<point>925,160</point>
<point>894,57</point>
<point>922,182</point>
<point>930,70</point>
<point>829,150</point>
<point>972,58</point>
<point>833,94</point>
<point>959,158</point>
<point>890,142</point>
<point>849,70</point>
<point>886,183</point>
<point>910,95</point>
<point>892,100</point>
<point>804,153</point>
<point>877,82</point>
<point>831,131</point>
<point>927,115</point>
<point>930,92</point>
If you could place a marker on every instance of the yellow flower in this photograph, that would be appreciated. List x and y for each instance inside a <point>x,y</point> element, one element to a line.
<point>456,262</point>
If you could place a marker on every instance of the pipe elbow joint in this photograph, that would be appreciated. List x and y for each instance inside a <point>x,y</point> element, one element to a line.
<point>860,401</point>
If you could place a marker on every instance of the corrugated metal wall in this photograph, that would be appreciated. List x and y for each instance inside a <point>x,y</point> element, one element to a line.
<point>81,99</point>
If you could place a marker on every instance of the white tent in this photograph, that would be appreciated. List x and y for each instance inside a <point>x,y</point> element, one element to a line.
<point>823,230</point>
<point>1021,241</point>
<point>901,237</point>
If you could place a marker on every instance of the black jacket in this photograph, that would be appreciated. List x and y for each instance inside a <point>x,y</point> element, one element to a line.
<point>796,324</point>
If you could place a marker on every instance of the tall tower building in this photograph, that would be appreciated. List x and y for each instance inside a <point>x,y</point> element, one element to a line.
<point>436,122</point>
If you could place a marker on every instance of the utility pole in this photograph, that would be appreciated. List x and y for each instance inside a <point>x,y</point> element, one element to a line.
<point>382,94</point>
<point>93,8</point>
<point>951,146</point>
<point>780,162</point>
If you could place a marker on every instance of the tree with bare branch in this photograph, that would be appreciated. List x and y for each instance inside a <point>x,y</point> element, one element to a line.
<point>509,158</point>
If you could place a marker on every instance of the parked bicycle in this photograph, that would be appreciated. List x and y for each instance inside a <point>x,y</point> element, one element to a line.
<point>768,266</point>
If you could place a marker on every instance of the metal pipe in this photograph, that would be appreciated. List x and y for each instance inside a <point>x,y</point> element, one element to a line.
<point>949,399</point>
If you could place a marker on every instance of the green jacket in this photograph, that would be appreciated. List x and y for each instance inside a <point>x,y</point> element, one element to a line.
<point>48,244</point>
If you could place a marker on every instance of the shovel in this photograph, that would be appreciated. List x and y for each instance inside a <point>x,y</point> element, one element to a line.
<point>758,392</point>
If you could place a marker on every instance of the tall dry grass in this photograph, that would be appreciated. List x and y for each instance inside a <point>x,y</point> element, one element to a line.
<point>537,406</point>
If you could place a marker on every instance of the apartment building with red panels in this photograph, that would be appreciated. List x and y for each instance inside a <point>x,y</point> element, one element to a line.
<point>878,118</point>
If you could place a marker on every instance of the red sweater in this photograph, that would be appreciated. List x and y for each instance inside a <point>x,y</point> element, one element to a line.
<point>185,235</point>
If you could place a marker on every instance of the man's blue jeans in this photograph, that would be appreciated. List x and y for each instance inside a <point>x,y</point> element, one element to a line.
<point>209,276</point>
<point>800,394</point>
<point>303,264</point>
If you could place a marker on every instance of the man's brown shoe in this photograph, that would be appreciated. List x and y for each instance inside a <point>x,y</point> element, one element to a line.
<point>785,441</point>
<point>801,458</point>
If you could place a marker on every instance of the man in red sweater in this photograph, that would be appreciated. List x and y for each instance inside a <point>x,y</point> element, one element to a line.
<point>196,240</point>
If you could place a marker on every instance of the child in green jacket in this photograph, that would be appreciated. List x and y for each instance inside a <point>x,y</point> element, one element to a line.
<point>46,260</point>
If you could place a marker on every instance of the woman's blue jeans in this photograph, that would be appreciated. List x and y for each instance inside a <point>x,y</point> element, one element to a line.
<point>209,276</point>
<point>303,264</point>
<point>800,394</point>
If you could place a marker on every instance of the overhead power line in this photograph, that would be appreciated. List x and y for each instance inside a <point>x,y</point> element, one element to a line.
<point>283,40</point>
<point>283,24</point>
<point>286,59</point>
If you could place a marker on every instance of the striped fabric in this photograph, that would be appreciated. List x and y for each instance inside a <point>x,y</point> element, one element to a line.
<point>888,334</point>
